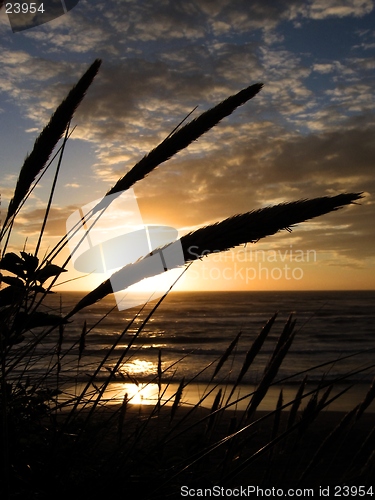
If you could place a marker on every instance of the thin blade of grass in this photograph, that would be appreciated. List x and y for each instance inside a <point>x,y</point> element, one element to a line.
<point>82,341</point>
<point>276,423</point>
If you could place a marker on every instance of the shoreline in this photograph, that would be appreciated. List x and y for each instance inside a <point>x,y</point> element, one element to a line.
<point>146,394</point>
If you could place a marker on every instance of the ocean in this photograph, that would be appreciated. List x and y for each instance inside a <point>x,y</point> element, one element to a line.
<point>190,331</point>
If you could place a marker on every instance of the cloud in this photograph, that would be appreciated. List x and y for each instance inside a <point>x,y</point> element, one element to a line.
<point>29,222</point>
<point>321,9</point>
<point>324,68</point>
<point>177,76</point>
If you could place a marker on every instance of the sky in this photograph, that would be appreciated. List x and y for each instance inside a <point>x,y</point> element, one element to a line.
<point>308,133</point>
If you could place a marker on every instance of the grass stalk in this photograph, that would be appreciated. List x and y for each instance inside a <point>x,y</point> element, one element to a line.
<point>252,352</point>
<point>234,231</point>
<point>182,137</point>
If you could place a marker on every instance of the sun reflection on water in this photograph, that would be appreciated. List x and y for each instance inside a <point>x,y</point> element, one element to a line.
<point>141,394</point>
<point>139,367</point>
<point>138,392</point>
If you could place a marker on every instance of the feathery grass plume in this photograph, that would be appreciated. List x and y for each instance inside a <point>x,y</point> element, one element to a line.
<point>234,231</point>
<point>177,398</point>
<point>226,354</point>
<point>308,414</point>
<point>315,406</point>
<point>252,226</point>
<point>213,412</point>
<point>296,403</point>
<point>323,399</point>
<point>181,138</point>
<point>252,352</point>
<point>271,371</point>
<point>48,139</point>
<point>288,327</point>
